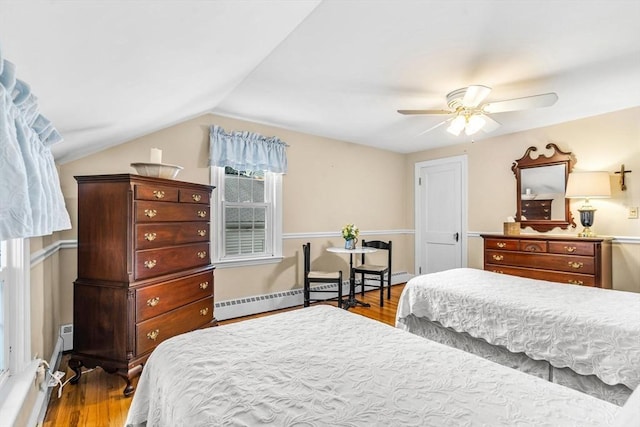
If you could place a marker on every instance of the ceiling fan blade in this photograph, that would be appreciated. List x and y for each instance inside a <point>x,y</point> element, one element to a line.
<point>475,95</point>
<point>489,124</point>
<point>535,101</point>
<point>425,112</point>
<point>436,126</point>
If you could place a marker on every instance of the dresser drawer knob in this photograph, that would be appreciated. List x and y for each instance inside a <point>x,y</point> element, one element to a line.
<point>150,213</point>
<point>575,265</point>
<point>570,249</point>
<point>204,285</point>
<point>576,282</point>
<point>150,236</point>
<point>204,311</point>
<point>202,214</point>
<point>202,233</point>
<point>202,254</point>
<point>153,335</point>
<point>196,197</point>
<point>498,257</point>
<point>150,263</point>
<point>158,194</point>
<point>152,302</point>
<point>501,244</point>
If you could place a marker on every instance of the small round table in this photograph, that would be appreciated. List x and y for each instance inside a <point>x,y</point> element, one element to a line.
<point>352,301</point>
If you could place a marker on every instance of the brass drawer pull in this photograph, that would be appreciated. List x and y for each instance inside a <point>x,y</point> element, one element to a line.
<point>150,263</point>
<point>498,271</point>
<point>545,210</point>
<point>150,236</point>
<point>575,265</point>
<point>153,335</point>
<point>158,194</point>
<point>570,249</point>
<point>531,248</point>
<point>526,204</point>
<point>204,285</point>
<point>196,197</point>
<point>498,257</point>
<point>202,233</point>
<point>152,302</point>
<point>576,282</point>
<point>501,244</point>
<point>150,212</point>
<point>202,254</point>
<point>204,311</point>
<point>202,214</point>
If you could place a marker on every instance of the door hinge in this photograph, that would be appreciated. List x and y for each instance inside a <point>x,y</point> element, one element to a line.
<point>420,181</point>
<point>419,270</point>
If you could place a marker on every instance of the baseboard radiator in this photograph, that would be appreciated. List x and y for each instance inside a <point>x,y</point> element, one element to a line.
<point>247,306</point>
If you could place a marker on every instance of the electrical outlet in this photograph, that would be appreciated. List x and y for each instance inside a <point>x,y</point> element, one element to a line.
<point>56,378</point>
<point>633,212</point>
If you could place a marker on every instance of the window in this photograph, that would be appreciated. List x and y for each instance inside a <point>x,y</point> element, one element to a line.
<point>4,350</point>
<point>247,218</point>
<point>15,341</point>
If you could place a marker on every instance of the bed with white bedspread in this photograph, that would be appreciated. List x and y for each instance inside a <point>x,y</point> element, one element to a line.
<point>585,338</point>
<point>323,366</point>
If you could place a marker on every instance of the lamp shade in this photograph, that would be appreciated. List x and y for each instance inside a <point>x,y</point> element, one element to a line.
<point>588,185</point>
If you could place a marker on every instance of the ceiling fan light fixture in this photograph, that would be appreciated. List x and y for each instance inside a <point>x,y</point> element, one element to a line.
<point>457,125</point>
<point>474,124</point>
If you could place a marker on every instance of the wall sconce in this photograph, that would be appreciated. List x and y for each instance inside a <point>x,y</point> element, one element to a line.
<point>588,185</point>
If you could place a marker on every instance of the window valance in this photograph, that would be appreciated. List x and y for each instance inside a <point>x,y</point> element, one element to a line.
<point>246,151</point>
<point>31,201</point>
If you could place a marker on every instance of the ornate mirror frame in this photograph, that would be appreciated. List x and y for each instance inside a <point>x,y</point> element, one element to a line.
<point>558,157</point>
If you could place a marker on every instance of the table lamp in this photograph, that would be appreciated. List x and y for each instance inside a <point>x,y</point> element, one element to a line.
<point>588,185</point>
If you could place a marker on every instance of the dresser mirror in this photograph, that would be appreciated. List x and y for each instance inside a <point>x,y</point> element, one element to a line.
<point>540,187</point>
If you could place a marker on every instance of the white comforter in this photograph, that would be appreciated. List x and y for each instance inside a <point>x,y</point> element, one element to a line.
<point>590,330</point>
<point>322,366</point>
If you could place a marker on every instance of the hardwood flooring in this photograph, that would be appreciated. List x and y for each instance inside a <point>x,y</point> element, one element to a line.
<point>97,400</point>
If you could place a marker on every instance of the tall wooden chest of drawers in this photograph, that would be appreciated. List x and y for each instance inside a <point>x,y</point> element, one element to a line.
<point>565,259</point>
<point>144,269</point>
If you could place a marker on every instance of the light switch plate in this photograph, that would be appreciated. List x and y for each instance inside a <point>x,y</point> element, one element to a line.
<point>633,212</point>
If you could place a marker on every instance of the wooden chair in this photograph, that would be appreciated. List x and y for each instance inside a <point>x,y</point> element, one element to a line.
<point>379,271</point>
<point>312,276</point>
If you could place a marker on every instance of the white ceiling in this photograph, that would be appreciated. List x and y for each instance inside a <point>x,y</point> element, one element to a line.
<point>109,71</point>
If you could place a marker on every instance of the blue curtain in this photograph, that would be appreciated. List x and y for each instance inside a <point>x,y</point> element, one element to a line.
<point>31,201</point>
<point>246,151</point>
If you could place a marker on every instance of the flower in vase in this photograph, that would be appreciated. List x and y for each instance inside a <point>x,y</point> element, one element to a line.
<point>350,232</point>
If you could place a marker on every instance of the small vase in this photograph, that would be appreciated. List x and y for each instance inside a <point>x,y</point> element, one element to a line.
<point>350,243</point>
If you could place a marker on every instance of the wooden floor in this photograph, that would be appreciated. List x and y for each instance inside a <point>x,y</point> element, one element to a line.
<point>97,399</point>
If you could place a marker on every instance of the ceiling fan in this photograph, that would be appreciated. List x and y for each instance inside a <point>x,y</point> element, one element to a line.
<point>468,113</point>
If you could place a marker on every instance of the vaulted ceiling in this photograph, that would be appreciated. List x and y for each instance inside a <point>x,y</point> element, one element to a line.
<point>106,72</point>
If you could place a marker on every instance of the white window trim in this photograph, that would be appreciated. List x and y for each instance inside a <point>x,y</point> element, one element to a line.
<point>14,388</point>
<point>274,195</point>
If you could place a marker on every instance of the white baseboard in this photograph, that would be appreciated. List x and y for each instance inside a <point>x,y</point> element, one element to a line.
<point>44,393</point>
<point>247,306</point>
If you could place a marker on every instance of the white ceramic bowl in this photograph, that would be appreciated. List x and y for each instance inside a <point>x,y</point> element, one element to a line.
<point>528,196</point>
<point>157,170</point>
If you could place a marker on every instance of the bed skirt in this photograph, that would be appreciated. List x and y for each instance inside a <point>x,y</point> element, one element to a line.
<point>589,384</point>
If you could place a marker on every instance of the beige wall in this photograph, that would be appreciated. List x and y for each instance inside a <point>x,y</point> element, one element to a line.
<point>329,183</point>
<point>332,182</point>
<point>598,143</point>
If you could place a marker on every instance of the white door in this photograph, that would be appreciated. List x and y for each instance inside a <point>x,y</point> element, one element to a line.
<point>441,214</point>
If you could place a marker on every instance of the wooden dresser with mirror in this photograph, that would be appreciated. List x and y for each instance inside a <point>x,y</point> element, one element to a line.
<point>541,183</point>
<point>144,269</point>
<point>565,259</point>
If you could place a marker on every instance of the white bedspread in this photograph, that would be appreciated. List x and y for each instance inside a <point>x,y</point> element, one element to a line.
<point>322,366</point>
<point>590,330</point>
